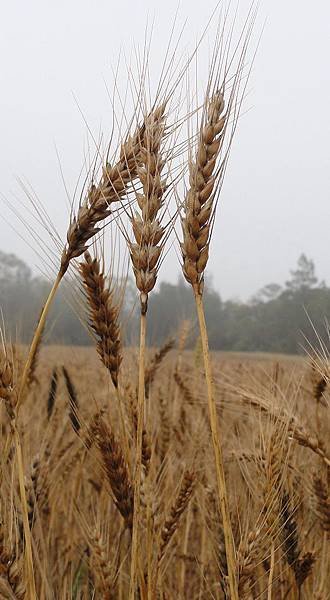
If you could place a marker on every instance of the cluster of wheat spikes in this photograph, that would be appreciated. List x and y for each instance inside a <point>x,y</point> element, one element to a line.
<point>79,448</point>
<point>157,480</point>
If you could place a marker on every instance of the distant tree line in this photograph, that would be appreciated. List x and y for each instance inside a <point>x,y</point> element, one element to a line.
<point>21,299</point>
<point>277,319</point>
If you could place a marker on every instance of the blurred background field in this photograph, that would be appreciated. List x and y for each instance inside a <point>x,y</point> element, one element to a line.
<point>273,414</point>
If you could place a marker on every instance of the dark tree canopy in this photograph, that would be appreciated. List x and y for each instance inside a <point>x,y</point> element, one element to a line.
<point>277,319</point>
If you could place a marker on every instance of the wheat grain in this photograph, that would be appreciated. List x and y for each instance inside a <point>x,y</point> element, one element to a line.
<point>117,472</point>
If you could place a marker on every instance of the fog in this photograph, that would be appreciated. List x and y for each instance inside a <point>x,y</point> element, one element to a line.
<point>56,62</point>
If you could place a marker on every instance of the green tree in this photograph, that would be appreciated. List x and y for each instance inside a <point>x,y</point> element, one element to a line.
<point>271,291</point>
<point>303,277</point>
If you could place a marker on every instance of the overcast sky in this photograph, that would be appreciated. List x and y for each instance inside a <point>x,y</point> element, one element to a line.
<point>275,203</point>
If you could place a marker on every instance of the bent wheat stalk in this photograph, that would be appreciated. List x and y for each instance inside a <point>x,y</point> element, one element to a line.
<point>111,188</point>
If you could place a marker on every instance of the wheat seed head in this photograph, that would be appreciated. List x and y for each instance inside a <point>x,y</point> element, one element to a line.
<point>103,315</point>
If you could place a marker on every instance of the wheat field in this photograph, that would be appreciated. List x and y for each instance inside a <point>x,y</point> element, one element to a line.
<point>78,481</point>
<point>154,474</point>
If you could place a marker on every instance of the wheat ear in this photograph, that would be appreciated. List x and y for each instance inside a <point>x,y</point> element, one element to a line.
<point>199,200</point>
<point>112,187</point>
<point>145,253</point>
<point>172,521</point>
<point>246,559</point>
<point>116,470</point>
<point>103,315</point>
<point>104,322</point>
<point>323,503</point>
<point>102,565</point>
<point>96,207</point>
<point>301,566</point>
<point>10,570</point>
<point>196,227</point>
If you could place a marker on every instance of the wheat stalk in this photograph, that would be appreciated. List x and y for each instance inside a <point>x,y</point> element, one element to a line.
<point>206,168</point>
<point>111,188</point>
<point>8,393</point>
<point>155,363</point>
<point>145,254</point>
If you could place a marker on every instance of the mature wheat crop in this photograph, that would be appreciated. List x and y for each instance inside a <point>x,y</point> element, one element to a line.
<point>79,481</point>
<point>161,474</point>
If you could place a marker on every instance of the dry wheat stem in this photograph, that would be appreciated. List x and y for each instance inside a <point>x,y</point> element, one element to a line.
<point>155,363</point>
<point>271,572</point>
<point>216,440</point>
<point>31,590</point>
<point>34,362</point>
<point>35,341</point>
<point>149,534</point>
<point>145,254</point>
<point>138,458</point>
<point>204,178</point>
<point>182,574</point>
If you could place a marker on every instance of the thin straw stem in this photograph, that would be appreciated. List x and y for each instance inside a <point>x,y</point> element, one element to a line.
<point>26,528</point>
<point>123,427</point>
<point>138,463</point>
<point>271,572</point>
<point>36,337</point>
<point>221,483</point>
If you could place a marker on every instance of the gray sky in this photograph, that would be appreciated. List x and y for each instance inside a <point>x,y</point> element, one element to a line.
<point>275,202</point>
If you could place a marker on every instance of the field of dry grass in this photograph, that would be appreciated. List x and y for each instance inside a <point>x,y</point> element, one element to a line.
<point>273,414</point>
<point>159,474</point>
